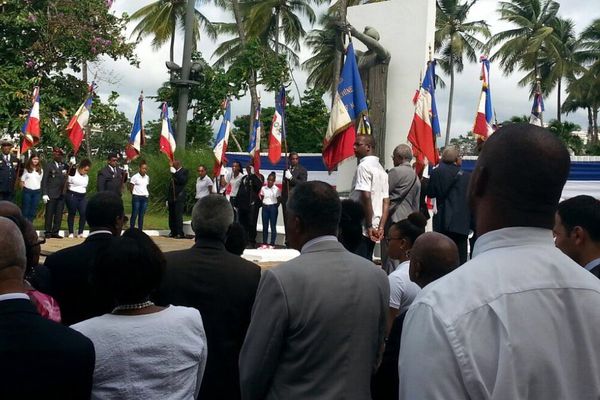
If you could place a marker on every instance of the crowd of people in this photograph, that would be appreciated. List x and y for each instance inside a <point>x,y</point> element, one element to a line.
<point>114,317</point>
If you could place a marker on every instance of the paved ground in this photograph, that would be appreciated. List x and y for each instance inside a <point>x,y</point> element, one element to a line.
<point>264,258</point>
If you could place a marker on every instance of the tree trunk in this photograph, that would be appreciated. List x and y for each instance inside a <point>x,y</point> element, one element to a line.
<point>558,109</point>
<point>337,59</point>
<point>172,48</point>
<point>88,128</point>
<point>590,130</point>
<point>450,100</point>
<point>235,5</point>
<point>595,137</point>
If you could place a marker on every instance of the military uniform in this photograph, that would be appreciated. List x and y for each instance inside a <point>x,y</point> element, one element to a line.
<point>53,186</point>
<point>9,166</point>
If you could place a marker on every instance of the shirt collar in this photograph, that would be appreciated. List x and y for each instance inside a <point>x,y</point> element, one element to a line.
<point>99,232</point>
<point>592,264</point>
<point>513,236</point>
<point>368,159</point>
<point>317,240</point>
<point>13,296</point>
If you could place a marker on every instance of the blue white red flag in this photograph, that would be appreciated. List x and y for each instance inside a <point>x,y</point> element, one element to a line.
<point>31,129</point>
<point>167,140</point>
<point>277,136</point>
<point>254,146</point>
<point>537,109</point>
<point>137,138</point>
<point>77,125</point>
<point>222,139</point>
<point>349,107</point>
<point>425,126</point>
<point>483,128</point>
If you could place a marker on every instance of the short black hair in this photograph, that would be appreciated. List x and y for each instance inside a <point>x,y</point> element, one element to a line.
<point>317,205</point>
<point>111,155</point>
<point>350,226</point>
<point>412,226</point>
<point>85,163</point>
<point>583,211</point>
<point>103,209</point>
<point>132,270</point>
<point>237,239</point>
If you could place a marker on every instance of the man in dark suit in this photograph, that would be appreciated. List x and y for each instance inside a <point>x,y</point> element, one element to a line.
<point>319,320</point>
<point>577,231</point>
<point>53,189</point>
<point>176,198</point>
<point>248,202</point>
<point>9,166</point>
<point>221,285</point>
<point>40,359</point>
<point>292,176</point>
<point>449,184</point>
<point>112,177</point>
<point>69,269</point>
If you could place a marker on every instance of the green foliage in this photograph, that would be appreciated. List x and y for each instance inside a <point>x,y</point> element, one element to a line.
<point>112,124</point>
<point>467,144</point>
<point>564,131</point>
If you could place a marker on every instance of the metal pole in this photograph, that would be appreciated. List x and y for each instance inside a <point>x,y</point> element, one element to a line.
<point>182,106</point>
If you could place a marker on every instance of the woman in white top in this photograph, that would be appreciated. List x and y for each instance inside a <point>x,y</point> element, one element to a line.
<point>270,196</point>
<point>31,182</point>
<point>138,184</point>
<point>142,351</point>
<point>75,198</point>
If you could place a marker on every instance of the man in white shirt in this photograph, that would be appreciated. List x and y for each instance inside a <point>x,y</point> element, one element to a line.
<point>577,231</point>
<point>203,183</point>
<point>520,320</point>
<point>370,188</point>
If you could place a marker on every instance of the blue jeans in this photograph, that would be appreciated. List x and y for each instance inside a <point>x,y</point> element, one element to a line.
<point>139,204</point>
<point>269,217</point>
<point>76,202</point>
<point>31,200</point>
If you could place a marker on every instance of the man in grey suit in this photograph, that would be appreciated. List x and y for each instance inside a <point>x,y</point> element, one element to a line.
<point>405,192</point>
<point>318,321</point>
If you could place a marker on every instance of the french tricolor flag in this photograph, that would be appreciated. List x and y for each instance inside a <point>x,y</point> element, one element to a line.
<point>254,146</point>
<point>167,141</point>
<point>425,126</point>
<point>277,135</point>
<point>222,139</point>
<point>76,127</point>
<point>483,121</point>
<point>137,138</point>
<point>537,110</point>
<point>31,128</point>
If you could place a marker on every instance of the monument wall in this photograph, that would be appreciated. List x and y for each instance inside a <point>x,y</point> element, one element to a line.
<point>407,30</point>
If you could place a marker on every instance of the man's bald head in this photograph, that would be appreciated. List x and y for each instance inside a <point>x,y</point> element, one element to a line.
<point>9,209</point>
<point>518,179</point>
<point>432,256</point>
<point>12,245</point>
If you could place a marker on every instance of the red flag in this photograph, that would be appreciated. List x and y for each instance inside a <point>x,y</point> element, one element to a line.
<point>31,128</point>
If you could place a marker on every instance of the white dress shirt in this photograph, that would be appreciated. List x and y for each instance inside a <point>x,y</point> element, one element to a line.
<point>519,321</point>
<point>371,177</point>
<point>140,184</point>
<point>234,182</point>
<point>592,264</point>
<point>203,186</point>
<point>78,183</point>
<point>269,195</point>
<point>13,296</point>
<point>32,180</point>
<point>402,290</point>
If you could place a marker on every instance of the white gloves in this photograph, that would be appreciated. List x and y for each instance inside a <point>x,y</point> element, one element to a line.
<point>72,161</point>
<point>45,198</point>
<point>126,167</point>
<point>288,174</point>
<point>172,169</point>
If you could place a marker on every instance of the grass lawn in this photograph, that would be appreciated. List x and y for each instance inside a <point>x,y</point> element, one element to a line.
<point>156,220</point>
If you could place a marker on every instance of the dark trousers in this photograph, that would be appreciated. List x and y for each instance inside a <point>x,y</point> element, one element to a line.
<point>244,217</point>
<point>176,217</point>
<point>269,219</point>
<point>76,203</point>
<point>54,212</point>
<point>139,204</point>
<point>254,211</point>
<point>8,196</point>
<point>365,248</point>
<point>31,200</point>
<point>461,243</point>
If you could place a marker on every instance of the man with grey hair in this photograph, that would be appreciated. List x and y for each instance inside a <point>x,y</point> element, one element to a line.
<point>221,285</point>
<point>405,192</point>
<point>40,358</point>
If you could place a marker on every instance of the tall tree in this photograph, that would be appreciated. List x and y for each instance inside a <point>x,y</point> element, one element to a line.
<point>161,20</point>
<point>455,39</point>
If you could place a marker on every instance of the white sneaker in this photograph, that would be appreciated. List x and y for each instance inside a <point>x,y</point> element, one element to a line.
<point>271,246</point>
<point>264,246</point>
<point>71,236</point>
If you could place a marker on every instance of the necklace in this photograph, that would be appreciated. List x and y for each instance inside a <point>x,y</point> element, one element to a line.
<point>137,306</point>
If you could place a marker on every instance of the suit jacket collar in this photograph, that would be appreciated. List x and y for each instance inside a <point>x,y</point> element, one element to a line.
<point>209,243</point>
<point>17,306</point>
<point>98,236</point>
<point>326,245</point>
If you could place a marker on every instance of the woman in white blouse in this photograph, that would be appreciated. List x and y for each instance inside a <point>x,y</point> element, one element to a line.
<point>31,182</point>
<point>143,351</point>
<point>138,184</point>
<point>270,196</point>
<point>75,197</point>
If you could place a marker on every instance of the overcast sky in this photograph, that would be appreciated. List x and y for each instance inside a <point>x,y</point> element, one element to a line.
<point>508,98</point>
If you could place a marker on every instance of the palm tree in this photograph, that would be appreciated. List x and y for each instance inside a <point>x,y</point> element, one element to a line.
<point>584,93</point>
<point>161,20</point>
<point>455,38</point>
